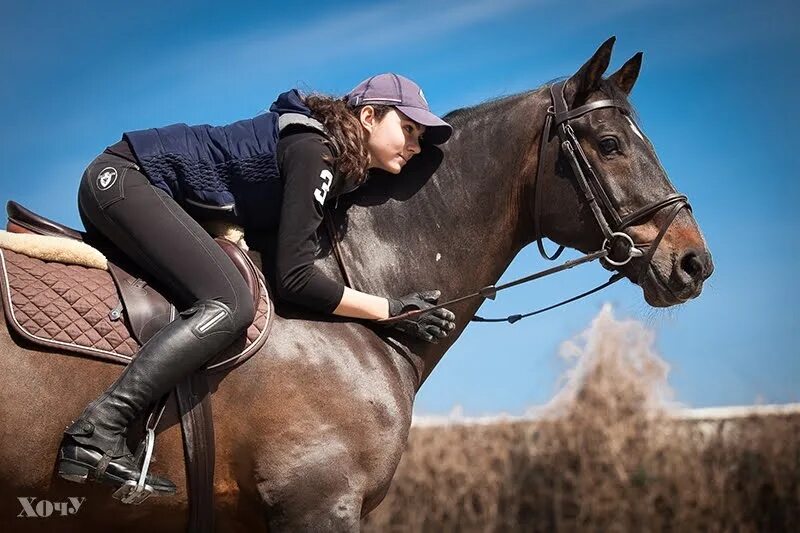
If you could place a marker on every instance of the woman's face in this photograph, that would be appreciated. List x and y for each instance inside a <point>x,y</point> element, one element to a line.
<point>391,141</point>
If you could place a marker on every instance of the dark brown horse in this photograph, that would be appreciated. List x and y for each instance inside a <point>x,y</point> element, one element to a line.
<point>310,430</point>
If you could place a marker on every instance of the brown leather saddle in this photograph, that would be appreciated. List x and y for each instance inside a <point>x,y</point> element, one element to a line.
<point>108,315</point>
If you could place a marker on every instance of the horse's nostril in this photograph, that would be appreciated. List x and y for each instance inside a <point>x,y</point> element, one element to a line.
<point>692,265</point>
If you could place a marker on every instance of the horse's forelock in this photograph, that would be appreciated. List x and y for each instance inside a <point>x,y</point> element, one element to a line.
<point>611,90</point>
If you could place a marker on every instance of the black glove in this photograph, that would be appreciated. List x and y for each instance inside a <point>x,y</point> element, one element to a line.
<point>428,326</point>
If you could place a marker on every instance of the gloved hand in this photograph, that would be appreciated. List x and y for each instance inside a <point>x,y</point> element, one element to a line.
<point>428,326</point>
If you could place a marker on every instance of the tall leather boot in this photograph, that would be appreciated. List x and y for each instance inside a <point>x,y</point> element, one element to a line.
<point>94,446</point>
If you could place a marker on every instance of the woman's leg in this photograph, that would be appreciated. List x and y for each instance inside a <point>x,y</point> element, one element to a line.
<point>119,202</point>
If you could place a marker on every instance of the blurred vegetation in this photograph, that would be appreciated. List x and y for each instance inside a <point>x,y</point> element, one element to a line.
<point>604,456</point>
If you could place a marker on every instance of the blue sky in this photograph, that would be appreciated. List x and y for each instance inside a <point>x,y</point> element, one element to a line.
<point>716,96</point>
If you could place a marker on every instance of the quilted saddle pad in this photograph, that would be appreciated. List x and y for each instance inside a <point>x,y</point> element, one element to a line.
<point>71,307</point>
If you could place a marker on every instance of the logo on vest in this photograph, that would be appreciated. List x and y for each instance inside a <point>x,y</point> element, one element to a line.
<point>106,178</point>
<point>321,192</point>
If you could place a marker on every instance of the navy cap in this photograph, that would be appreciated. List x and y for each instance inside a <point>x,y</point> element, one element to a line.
<point>402,93</point>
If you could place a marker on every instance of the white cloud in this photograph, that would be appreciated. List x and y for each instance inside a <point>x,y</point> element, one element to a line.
<point>400,26</point>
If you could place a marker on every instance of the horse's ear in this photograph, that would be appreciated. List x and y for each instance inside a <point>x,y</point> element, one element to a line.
<point>626,76</point>
<point>588,77</point>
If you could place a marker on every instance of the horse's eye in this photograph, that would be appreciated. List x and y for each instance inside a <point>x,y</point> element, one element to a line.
<point>609,145</point>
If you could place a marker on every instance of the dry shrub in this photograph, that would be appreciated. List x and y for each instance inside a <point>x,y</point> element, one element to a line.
<point>605,455</point>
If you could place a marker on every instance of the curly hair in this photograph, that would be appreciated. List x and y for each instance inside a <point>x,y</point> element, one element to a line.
<point>346,135</point>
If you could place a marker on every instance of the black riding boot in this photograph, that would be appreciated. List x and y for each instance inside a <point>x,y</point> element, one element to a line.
<point>94,445</point>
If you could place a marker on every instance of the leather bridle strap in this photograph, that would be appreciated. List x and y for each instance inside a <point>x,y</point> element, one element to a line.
<point>651,209</point>
<point>334,240</point>
<point>562,114</point>
<point>537,194</point>
<point>573,151</point>
<point>653,245</point>
<point>558,115</point>
<point>577,159</point>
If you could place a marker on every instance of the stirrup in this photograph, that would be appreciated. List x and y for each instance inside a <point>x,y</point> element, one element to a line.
<point>132,492</point>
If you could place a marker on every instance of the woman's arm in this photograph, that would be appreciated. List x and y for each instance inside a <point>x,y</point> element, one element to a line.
<point>362,305</point>
<point>308,179</point>
<point>307,182</point>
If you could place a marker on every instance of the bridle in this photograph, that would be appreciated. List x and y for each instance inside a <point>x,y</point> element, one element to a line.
<point>618,247</point>
<point>616,239</point>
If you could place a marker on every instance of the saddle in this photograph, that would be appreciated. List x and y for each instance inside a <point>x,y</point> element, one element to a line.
<point>60,299</point>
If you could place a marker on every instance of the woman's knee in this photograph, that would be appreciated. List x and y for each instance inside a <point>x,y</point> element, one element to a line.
<point>245,314</point>
<point>240,303</point>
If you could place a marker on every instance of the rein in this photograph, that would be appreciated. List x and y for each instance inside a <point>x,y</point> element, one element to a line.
<point>618,247</point>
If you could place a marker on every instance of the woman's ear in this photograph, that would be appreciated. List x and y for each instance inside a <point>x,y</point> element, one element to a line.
<point>367,117</point>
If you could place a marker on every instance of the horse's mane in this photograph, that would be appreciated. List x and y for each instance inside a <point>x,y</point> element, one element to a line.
<point>461,116</point>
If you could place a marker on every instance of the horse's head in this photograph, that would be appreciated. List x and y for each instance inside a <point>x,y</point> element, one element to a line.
<point>620,163</point>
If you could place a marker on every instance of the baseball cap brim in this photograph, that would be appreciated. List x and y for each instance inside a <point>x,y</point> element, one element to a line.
<point>437,131</point>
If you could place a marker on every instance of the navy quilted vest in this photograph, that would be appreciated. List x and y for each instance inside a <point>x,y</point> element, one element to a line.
<point>231,170</point>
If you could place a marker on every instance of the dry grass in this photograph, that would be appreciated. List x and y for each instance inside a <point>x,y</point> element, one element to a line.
<point>606,456</point>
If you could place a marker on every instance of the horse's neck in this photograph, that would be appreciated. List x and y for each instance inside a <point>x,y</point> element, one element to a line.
<point>463,227</point>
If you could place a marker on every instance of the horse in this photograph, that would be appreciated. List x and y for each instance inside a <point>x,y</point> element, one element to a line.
<point>311,429</point>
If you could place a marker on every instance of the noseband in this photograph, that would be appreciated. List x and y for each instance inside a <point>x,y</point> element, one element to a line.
<point>618,247</point>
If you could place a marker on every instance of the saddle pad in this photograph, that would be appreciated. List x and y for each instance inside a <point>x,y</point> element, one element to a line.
<point>68,307</point>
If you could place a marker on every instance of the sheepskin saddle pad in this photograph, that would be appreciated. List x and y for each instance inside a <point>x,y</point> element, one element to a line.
<point>60,292</point>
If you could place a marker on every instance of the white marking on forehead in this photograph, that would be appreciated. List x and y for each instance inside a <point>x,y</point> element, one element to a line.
<point>438,256</point>
<point>634,128</point>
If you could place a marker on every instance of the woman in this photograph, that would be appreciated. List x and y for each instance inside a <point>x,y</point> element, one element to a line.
<point>147,193</point>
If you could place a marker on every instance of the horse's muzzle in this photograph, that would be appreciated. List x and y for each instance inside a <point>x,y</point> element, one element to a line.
<point>680,281</point>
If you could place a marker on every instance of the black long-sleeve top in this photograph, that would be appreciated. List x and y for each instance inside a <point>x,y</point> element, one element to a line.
<point>308,181</point>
